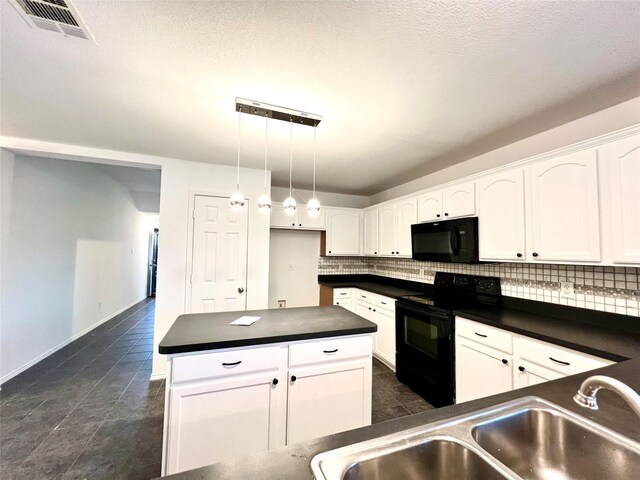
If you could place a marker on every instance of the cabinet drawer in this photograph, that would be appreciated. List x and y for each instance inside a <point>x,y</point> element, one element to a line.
<point>339,293</point>
<point>384,302</point>
<point>227,362</point>
<point>363,295</point>
<point>557,358</point>
<point>331,349</point>
<point>484,334</point>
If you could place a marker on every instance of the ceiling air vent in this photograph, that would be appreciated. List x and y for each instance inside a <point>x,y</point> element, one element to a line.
<point>58,16</point>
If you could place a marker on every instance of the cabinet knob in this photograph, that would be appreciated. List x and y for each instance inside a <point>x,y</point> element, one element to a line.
<point>275,381</point>
<point>438,215</point>
<point>446,214</point>
<point>329,251</point>
<point>519,255</point>
<point>369,308</point>
<point>293,378</point>
<point>535,254</point>
<point>240,290</point>
<point>375,253</point>
<point>299,224</point>
<point>374,309</point>
<point>521,368</point>
<point>505,361</point>
<point>293,224</point>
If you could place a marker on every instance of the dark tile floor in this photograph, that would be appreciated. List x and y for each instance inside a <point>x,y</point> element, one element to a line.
<point>88,410</point>
<point>392,399</point>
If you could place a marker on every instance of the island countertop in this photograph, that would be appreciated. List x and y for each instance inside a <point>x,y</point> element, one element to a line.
<point>210,331</point>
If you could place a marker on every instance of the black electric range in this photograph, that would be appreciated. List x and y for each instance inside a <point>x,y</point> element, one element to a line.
<point>425,345</point>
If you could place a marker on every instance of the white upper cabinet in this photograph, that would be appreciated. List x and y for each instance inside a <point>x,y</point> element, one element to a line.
<point>370,227</point>
<point>501,216</point>
<point>406,215</point>
<point>394,227</point>
<point>300,219</point>
<point>459,200</point>
<point>386,229</point>
<point>430,206</point>
<point>563,209</point>
<point>343,231</point>
<point>452,202</point>
<point>624,188</point>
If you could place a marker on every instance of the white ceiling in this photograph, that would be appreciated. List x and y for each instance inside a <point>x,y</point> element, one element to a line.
<point>405,88</point>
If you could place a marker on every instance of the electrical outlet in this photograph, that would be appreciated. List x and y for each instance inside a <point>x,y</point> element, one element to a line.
<point>566,290</point>
<point>282,304</point>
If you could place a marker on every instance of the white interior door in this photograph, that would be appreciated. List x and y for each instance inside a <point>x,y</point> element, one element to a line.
<point>219,257</point>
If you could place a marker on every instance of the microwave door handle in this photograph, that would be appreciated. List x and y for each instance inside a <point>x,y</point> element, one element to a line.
<point>454,240</point>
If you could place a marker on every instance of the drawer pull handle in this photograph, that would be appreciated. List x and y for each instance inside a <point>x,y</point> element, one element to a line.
<point>384,303</point>
<point>330,351</point>
<point>559,361</point>
<point>343,293</point>
<point>232,364</point>
<point>480,335</point>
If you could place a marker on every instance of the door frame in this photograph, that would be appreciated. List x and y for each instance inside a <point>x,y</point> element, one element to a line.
<point>189,260</point>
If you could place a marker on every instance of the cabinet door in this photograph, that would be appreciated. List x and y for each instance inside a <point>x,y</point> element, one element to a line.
<point>280,219</point>
<point>459,200</point>
<point>565,223</point>
<point>343,231</point>
<point>430,206</point>
<point>624,171</point>
<point>309,221</point>
<point>527,374</point>
<point>406,215</point>
<point>386,229</point>
<point>364,308</point>
<point>327,399</point>
<point>501,216</point>
<point>370,226</point>
<point>386,338</point>
<point>481,371</point>
<point>345,303</point>
<point>218,421</point>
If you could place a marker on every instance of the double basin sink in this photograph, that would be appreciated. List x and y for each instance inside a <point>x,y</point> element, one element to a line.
<point>528,438</point>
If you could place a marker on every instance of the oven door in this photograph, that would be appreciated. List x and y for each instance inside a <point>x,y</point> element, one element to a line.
<point>424,353</point>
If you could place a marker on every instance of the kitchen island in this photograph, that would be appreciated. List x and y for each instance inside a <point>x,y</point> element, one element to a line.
<point>232,390</point>
<point>293,461</point>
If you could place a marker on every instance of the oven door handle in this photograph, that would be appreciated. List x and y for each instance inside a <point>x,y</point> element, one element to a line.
<point>401,308</point>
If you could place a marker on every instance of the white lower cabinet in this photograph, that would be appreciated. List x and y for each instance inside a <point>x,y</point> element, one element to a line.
<point>490,360</point>
<point>328,398</point>
<point>253,401</point>
<point>380,310</point>
<point>343,297</point>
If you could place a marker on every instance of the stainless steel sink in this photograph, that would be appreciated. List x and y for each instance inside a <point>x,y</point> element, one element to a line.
<point>541,444</point>
<point>437,459</point>
<point>527,438</point>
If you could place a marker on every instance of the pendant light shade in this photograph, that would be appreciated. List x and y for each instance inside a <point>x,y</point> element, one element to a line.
<point>289,205</point>
<point>264,202</point>
<point>313,207</point>
<point>237,200</point>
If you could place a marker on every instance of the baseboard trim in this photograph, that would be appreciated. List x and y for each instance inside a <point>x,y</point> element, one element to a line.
<point>31,363</point>
<point>158,376</point>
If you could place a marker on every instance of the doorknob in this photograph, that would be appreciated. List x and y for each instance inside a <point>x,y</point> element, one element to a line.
<point>240,289</point>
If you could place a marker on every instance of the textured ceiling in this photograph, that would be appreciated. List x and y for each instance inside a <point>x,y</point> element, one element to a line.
<point>405,88</point>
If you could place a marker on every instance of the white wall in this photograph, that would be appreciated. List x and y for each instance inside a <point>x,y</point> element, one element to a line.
<point>327,199</point>
<point>606,121</point>
<point>74,253</point>
<point>293,268</point>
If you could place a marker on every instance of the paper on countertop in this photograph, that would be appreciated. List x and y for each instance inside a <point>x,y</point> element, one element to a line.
<point>245,320</point>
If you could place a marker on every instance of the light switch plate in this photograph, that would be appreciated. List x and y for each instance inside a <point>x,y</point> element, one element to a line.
<point>566,290</point>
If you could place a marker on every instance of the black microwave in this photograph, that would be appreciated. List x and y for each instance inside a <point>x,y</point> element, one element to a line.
<point>447,241</point>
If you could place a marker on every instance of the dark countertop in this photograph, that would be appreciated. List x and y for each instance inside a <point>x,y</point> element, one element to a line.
<point>388,287</point>
<point>210,331</point>
<point>609,343</point>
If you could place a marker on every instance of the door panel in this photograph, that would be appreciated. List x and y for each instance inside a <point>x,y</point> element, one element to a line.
<point>430,206</point>
<point>480,371</point>
<point>386,229</point>
<point>459,200</point>
<point>406,215</point>
<point>219,257</point>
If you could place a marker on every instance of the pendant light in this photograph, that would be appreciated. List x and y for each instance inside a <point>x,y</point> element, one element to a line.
<point>313,207</point>
<point>237,199</point>
<point>264,202</point>
<point>289,204</point>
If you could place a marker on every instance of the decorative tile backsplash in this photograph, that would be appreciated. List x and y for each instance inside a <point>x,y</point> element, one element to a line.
<point>609,289</point>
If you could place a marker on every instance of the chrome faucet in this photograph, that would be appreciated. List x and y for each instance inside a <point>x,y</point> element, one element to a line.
<point>586,396</point>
